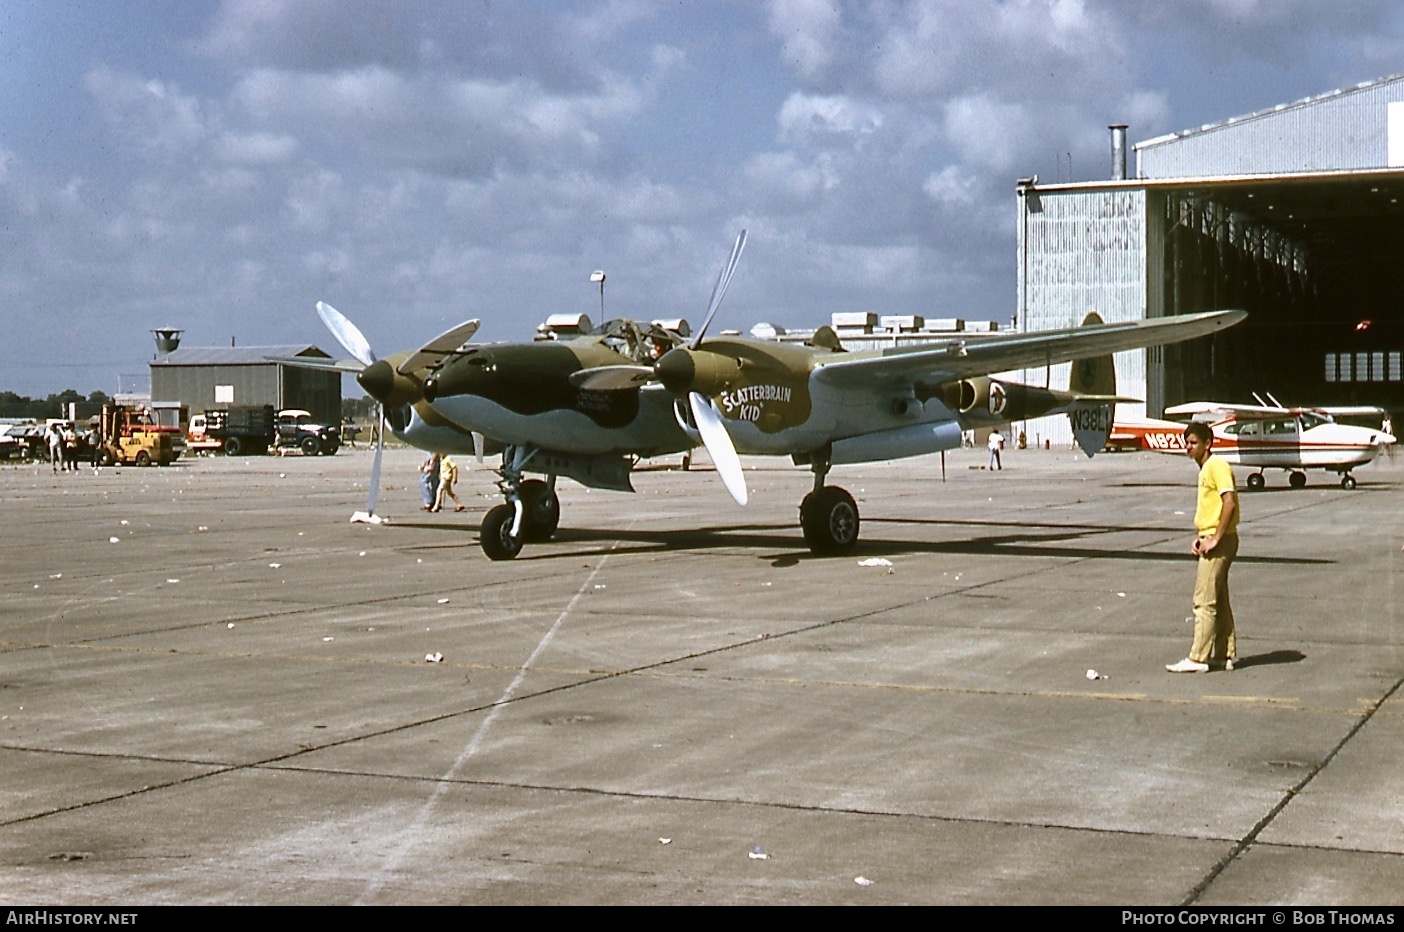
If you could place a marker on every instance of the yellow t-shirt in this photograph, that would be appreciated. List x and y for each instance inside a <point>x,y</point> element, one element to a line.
<point>1215,478</point>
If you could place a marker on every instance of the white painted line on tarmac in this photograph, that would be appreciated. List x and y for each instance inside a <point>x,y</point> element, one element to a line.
<point>421,820</point>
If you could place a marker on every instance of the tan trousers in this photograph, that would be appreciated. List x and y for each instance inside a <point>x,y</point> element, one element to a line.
<point>1213,615</point>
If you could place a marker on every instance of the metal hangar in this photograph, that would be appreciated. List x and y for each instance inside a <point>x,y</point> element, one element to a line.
<point>1295,213</point>
<point>215,377</point>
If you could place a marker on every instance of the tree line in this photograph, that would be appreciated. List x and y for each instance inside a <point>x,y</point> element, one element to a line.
<point>13,405</point>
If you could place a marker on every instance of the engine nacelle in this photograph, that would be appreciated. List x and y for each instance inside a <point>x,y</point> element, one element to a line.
<point>684,370</point>
<point>899,442</point>
<point>992,401</point>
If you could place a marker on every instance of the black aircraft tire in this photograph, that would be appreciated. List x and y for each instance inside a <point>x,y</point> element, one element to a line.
<point>1255,481</point>
<point>1347,482</point>
<point>829,519</point>
<point>1297,480</point>
<point>495,533</point>
<point>543,511</point>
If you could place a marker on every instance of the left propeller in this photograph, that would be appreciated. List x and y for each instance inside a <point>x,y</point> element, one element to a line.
<point>395,386</point>
<point>355,342</point>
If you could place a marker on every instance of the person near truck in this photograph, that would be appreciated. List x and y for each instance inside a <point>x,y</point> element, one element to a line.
<point>70,448</point>
<point>55,441</point>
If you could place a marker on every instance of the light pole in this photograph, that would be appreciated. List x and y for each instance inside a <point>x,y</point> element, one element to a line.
<point>599,276</point>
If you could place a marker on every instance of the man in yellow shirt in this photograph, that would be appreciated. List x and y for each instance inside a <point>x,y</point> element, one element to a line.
<point>1216,544</point>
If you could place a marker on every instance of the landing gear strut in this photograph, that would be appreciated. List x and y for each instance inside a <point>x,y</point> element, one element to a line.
<point>531,513</point>
<point>828,515</point>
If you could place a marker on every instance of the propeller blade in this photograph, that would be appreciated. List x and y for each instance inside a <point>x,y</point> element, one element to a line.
<point>719,290</point>
<point>719,445</point>
<point>439,347</point>
<point>375,463</point>
<point>346,333</point>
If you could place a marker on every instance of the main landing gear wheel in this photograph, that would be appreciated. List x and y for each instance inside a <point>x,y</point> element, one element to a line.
<point>1347,482</point>
<point>829,519</point>
<point>1297,480</point>
<point>1256,481</point>
<point>496,533</point>
<point>543,511</point>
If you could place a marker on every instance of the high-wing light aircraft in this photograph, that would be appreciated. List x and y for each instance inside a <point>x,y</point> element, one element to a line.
<point>1267,437</point>
<point>589,408</point>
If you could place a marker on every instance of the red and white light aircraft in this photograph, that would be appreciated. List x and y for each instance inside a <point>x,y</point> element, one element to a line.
<point>1265,436</point>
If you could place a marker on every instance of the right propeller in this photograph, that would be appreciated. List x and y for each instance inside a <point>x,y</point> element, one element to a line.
<point>690,371</point>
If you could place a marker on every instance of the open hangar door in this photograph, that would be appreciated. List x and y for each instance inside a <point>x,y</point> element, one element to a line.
<point>1316,260</point>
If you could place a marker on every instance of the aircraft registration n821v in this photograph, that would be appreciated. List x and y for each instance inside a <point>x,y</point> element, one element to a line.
<point>589,408</point>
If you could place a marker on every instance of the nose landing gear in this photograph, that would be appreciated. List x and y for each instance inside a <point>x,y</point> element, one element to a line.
<point>531,513</point>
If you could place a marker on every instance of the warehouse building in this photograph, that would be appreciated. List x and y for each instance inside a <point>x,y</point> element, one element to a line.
<point>216,377</point>
<point>1295,214</point>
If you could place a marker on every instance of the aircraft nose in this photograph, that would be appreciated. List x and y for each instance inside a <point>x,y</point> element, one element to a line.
<point>468,375</point>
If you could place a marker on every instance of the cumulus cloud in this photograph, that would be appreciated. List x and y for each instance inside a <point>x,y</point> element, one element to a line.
<point>950,187</point>
<point>806,115</point>
<point>254,148</point>
<point>149,115</point>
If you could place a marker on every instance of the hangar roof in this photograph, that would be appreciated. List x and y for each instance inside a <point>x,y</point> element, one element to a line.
<point>1353,128</point>
<point>235,355</point>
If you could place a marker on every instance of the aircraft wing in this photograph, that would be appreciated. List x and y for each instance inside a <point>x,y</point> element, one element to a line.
<point>1246,412</point>
<point>316,362</point>
<point>960,359</point>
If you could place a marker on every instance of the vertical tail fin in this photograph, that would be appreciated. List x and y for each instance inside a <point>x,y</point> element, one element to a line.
<point>1091,418</point>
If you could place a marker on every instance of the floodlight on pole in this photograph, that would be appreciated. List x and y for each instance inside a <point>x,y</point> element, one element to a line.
<point>599,276</point>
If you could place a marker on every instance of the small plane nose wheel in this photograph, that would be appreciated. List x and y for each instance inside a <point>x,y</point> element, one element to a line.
<point>1297,480</point>
<point>1256,481</point>
<point>1347,482</point>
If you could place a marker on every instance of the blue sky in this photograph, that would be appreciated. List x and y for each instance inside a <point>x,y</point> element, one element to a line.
<point>222,166</point>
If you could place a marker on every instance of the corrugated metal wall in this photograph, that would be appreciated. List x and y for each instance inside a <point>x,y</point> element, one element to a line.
<point>1340,131</point>
<point>1082,251</point>
<point>317,392</point>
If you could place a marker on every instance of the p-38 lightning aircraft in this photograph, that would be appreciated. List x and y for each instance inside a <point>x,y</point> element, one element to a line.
<point>1266,436</point>
<point>589,408</point>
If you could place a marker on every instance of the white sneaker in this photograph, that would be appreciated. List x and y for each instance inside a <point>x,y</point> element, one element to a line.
<point>1187,666</point>
<point>1228,664</point>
